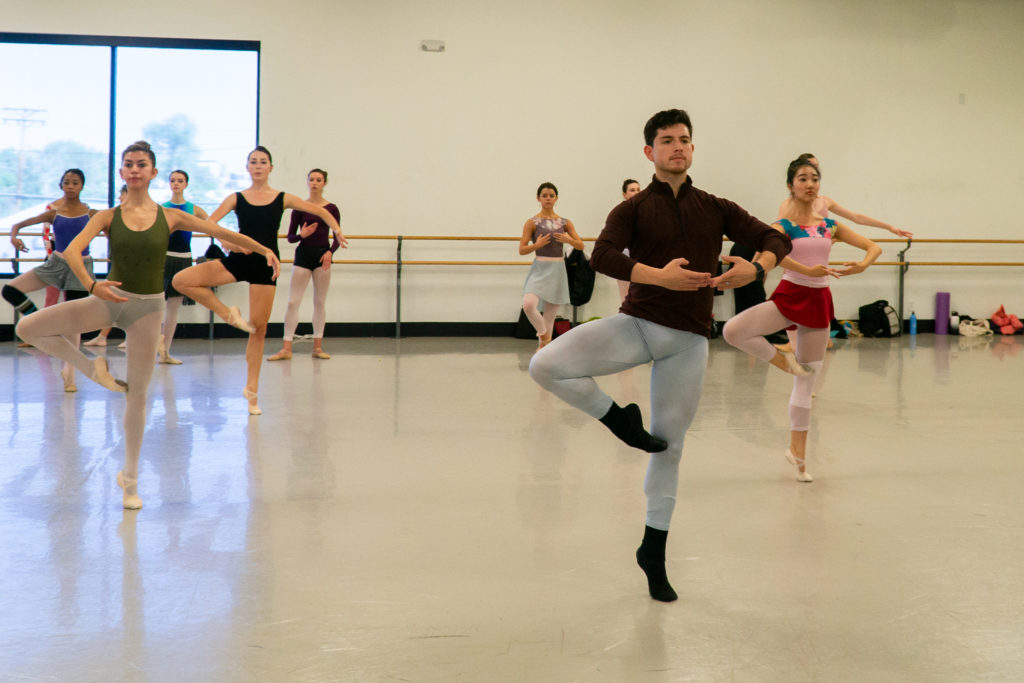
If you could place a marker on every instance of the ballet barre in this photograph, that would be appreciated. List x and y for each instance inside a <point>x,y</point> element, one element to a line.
<point>399,262</point>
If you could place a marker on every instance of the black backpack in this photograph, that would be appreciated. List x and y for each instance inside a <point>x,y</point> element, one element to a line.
<point>878,319</point>
<point>581,277</point>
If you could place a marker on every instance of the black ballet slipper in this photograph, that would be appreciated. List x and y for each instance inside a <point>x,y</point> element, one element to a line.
<point>657,579</point>
<point>628,424</point>
<point>651,558</point>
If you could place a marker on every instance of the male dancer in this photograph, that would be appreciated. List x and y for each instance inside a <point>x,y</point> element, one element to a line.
<point>674,235</point>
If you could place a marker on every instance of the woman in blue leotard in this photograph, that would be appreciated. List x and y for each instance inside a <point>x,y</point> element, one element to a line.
<point>179,257</point>
<point>67,220</point>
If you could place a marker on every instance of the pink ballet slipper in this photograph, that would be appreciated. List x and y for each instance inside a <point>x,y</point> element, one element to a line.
<point>130,501</point>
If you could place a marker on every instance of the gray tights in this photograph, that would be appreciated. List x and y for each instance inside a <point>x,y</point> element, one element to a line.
<point>568,365</point>
<point>49,329</point>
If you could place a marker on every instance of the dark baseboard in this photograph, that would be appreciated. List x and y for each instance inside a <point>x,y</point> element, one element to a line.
<point>352,330</point>
<point>276,330</point>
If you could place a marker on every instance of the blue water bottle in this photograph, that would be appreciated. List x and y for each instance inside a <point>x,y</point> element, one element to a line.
<point>913,323</point>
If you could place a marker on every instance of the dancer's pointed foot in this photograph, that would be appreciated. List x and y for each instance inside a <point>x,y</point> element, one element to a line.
<point>795,367</point>
<point>67,373</point>
<point>123,346</point>
<point>251,397</point>
<point>657,579</point>
<point>628,424</point>
<point>543,340</point>
<point>321,354</point>
<point>130,500</point>
<point>102,376</point>
<point>281,355</point>
<point>235,319</point>
<point>801,471</point>
<point>98,340</point>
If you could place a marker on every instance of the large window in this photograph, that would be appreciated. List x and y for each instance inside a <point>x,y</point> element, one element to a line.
<point>76,101</point>
<point>55,115</point>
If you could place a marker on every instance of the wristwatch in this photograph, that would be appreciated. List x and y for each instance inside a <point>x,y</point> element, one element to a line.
<point>760,272</point>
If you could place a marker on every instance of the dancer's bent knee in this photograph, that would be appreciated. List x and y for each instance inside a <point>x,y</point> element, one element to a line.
<point>17,298</point>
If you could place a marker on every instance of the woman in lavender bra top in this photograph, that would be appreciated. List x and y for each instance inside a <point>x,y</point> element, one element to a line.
<point>547,280</point>
<point>802,300</point>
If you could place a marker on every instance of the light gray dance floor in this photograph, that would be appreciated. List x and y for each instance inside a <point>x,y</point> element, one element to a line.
<point>421,511</point>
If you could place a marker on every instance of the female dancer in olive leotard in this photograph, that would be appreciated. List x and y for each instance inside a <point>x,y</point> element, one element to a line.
<point>131,299</point>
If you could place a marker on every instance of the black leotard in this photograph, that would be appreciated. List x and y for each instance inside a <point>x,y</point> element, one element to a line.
<point>261,223</point>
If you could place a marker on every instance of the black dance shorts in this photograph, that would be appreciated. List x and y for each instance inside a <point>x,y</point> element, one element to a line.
<point>172,266</point>
<point>251,268</point>
<point>309,257</point>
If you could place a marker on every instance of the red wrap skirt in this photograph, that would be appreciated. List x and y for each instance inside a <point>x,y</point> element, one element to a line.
<point>807,306</point>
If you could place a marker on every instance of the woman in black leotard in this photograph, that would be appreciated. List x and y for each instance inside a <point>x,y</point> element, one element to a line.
<point>259,209</point>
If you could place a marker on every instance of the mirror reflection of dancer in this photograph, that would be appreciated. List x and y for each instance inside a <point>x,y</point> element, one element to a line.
<point>259,209</point>
<point>312,262</point>
<point>131,299</point>
<point>547,280</point>
<point>674,234</point>
<point>67,219</point>
<point>630,187</point>
<point>179,257</point>
<point>802,299</point>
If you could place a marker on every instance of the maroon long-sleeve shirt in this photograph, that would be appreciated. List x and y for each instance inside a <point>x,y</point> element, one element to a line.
<point>657,227</point>
<point>321,237</point>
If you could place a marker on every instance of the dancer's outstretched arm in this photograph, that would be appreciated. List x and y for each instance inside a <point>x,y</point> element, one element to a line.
<point>861,219</point>
<point>295,203</point>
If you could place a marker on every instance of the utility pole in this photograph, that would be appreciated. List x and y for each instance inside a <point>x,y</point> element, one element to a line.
<point>24,118</point>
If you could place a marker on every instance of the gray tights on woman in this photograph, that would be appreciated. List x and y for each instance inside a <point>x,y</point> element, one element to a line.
<point>49,331</point>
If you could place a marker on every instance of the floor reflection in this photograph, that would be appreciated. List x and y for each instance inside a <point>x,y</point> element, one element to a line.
<point>423,511</point>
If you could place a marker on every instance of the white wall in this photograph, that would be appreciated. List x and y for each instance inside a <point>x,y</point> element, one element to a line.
<point>527,91</point>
